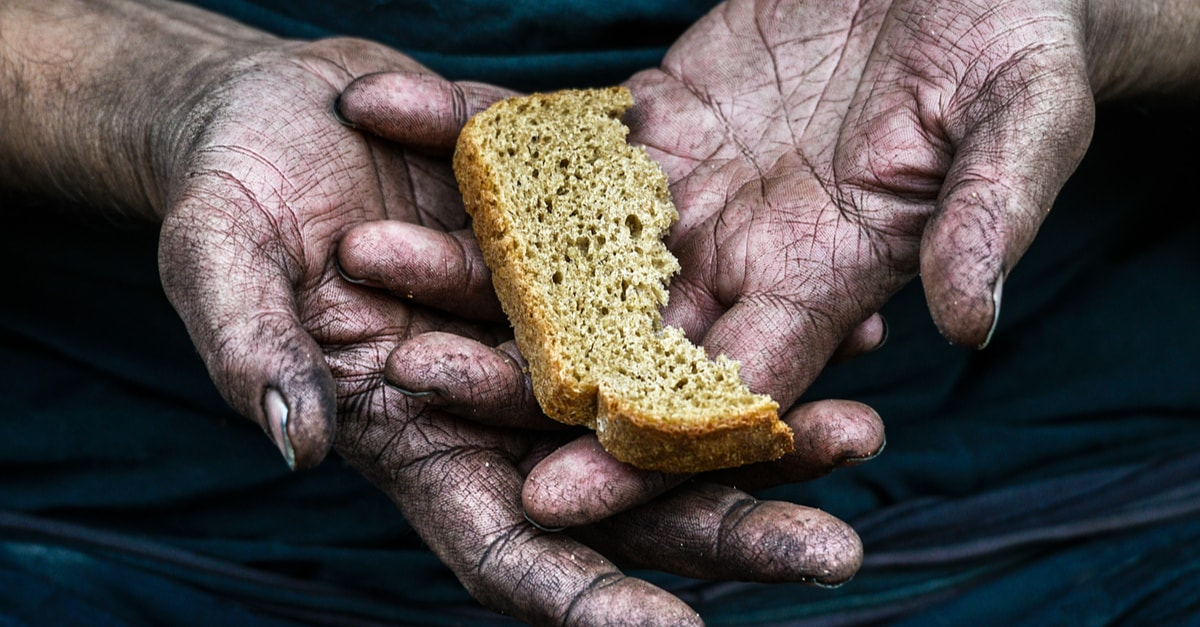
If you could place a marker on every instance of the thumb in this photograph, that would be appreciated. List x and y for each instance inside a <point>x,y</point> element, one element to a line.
<point>1009,165</point>
<point>240,311</point>
<point>420,110</point>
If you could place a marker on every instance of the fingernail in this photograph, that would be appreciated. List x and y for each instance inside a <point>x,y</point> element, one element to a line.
<point>816,583</point>
<point>276,410</point>
<point>337,113</point>
<point>850,461</point>
<point>411,393</point>
<point>349,279</point>
<point>546,529</point>
<point>997,292</point>
<point>883,340</point>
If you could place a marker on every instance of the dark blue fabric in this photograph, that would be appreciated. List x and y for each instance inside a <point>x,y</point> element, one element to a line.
<point>523,44</point>
<point>1052,478</point>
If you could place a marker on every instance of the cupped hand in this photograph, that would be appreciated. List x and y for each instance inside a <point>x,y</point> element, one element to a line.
<point>267,183</point>
<point>823,154</point>
<point>576,483</point>
<point>269,186</point>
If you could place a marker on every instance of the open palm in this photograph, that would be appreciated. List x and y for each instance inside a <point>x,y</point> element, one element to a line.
<point>822,154</point>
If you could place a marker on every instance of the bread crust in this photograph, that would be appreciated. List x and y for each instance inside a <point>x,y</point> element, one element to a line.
<point>742,435</point>
<point>541,346</point>
<point>724,442</point>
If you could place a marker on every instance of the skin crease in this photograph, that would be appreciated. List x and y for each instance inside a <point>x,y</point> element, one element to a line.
<point>852,156</point>
<point>458,484</point>
<point>256,181</point>
<point>215,127</point>
<point>924,172</point>
<point>865,142</point>
<point>777,135</point>
<point>588,485</point>
<point>788,160</point>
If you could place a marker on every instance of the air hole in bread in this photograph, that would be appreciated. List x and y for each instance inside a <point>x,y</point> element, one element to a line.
<point>634,225</point>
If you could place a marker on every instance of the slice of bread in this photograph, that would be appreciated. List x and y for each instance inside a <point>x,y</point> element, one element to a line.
<point>570,218</point>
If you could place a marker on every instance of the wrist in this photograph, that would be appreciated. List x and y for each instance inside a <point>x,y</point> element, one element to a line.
<point>98,97</point>
<point>1143,47</point>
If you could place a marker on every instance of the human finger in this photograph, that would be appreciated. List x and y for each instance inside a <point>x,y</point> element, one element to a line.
<point>437,269</point>
<point>782,345</point>
<point>964,154</point>
<point>870,335</point>
<point>580,483</point>
<point>828,435</point>
<point>781,315</point>
<point>712,531</point>
<point>415,109</point>
<point>456,483</point>
<point>239,307</point>
<point>1012,156</point>
<point>461,376</point>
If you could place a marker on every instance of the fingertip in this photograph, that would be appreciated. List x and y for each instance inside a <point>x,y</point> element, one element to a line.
<point>468,379</point>
<point>413,108</point>
<point>964,254</point>
<point>580,483</point>
<point>830,562</point>
<point>965,310</point>
<point>842,557</point>
<point>842,432</point>
<point>354,102</point>
<point>714,531</point>
<point>827,435</point>
<point>620,600</point>
<point>300,417</point>
<point>356,252</point>
<point>443,270</point>
<point>270,370</point>
<point>554,495</point>
<point>869,336</point>
<point>409,108</point>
